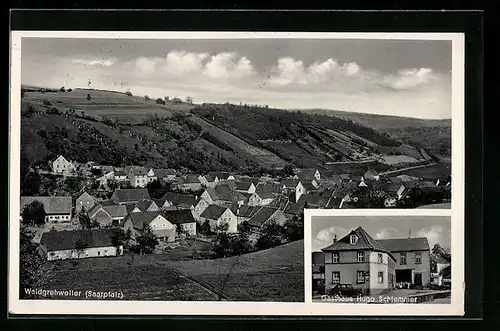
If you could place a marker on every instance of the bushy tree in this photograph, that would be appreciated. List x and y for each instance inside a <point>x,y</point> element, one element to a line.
<point>80,247</point>
<point>271,235</point>
<point>147,240</point>
<point>31,274</point>
<point>69,90</point>
<point>160,101</point>
<point>294,228</point>
<point>222,243</point>
<point>147,98</point>
<point>240,243</point>
<point>62,89</point>
<point>205,228</point>
<point>34,213</point>
<point>119,238</point>
<point>85,221</point>
<point>128,93</point>
<point>89,97</point>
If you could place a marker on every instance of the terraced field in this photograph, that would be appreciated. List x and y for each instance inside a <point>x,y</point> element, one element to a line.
<point>263,157</point>
<point>114,105</point>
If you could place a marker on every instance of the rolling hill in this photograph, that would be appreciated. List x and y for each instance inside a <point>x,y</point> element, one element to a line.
<point>115,128</point>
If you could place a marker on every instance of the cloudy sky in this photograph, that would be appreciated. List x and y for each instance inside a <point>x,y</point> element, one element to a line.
<point>391,77</point>
<point>437,229</point>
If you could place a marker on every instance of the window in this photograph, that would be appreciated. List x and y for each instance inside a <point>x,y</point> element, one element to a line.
<point>99,253</point>
<point>380,277</point>
<point>361,256</point>
<point>360,277</point>
<point>402,258</point>
<point>354,238</point>
<point>335,258</point>
<point>418,258</point>
<point>379,258</point>
<point>335,277</point>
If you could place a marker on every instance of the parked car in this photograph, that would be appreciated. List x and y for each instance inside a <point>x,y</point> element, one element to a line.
<point>345,290</point>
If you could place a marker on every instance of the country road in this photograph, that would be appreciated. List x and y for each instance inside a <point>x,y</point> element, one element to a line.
<point>404,169</point>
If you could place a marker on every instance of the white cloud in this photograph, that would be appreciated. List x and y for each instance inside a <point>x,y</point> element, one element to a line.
<point>389,233</point>
<point>181,62</point>
<point>102,62</point>
<point>408,78</point>
<point>228,65</point>
<point>329,233</point>
<point>434,235</point>
<point>146,65</point>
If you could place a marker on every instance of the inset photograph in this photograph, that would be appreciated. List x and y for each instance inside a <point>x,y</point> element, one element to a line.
<point>381,259</point>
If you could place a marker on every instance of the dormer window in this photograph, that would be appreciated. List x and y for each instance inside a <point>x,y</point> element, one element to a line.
<point>354,239</point>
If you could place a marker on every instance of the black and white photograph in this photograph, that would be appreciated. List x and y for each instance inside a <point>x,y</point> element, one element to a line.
<point>381,259</point>
<point>177,167</point>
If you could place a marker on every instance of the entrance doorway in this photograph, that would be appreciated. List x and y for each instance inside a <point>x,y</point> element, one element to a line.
<point>418,280</point>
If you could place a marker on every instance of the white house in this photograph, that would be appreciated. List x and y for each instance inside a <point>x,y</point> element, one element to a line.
<point>160,226</point>
<point>183,218</point>
<point>200,206</point>
<point>294,186</point>
<point>138,176</point>
<point>217,215</point>
<point>63,166</point>
<point>86,201</point>
<point>245,187</point>
<point>57,209</point>
<point>78,244</point>
<point>261,198</point>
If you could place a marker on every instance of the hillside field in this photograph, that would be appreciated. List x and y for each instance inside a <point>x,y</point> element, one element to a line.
<point>276,274</point>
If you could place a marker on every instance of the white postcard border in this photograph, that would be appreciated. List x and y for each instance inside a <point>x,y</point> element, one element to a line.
<point>306,308</point>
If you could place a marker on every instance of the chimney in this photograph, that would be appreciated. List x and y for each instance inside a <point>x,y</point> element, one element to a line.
<point>334,238</point>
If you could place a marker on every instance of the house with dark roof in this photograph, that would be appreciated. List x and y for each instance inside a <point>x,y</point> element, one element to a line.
<point>107,215</point>
<point>86,201</point>
<point>160,226</point>
<point>439,263</point>
<point>361,261</point>
<point>182,218</point>
<point>143,205</point>
<point>174,200</point>
<point>161,174</point>
<point>78,244</point>
<point>315,200</point>
<point>412,260</point>
<point>308,174</point>
<point>199,207</point>
<point>265,215</point>
<point>261,198</point>
<point>244,213</point>
<point>120,176</point>
<point>292,209</point>
<point>223,195</point>
<point>294,187</point>
<point>216,215</point>
<point>133,195</point>
<point>138,176</point>
<point>209,181</point>
<point>222,176</point>
<point>246,179</point>
<point>63,166</point>
<point>245,187</point>
<point>190,182</point>
<point>57,209</point>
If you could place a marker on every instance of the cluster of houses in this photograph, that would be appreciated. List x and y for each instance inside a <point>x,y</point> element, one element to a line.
<point>378,266</point>
<point>214,198</point>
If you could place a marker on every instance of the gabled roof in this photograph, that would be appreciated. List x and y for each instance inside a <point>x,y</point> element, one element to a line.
<point>213,212</point>
<point>66,240</point>
<point>139,171</point>
<point>265,194</point>
<point>305,171</point>
<point>52,205</point>
<point>262,215</point>
<point>106,168</point>
<point>254,180</point>
<point>210,178</point>
<point>290,182</point>
<point>309,186</point>
<point>132,194</point>
<point>220,175</point>
<point>293,208</point>
<point>178,199</point>
<point>405,244</point>
<point>107,203</point>
<point>85,195</point>
<point>191,179</point>
<point>245,211</point>
<point>95,210</point>
<point>270,187</point>
<point>163,173</point>
<point>143,217</point>
<point>243,186</point>
<point>223,193</point>
<point>364,242</point>
<point>393,187</point>
<point>314,199</point>
<point>116,210</point>
<point>119,174</point>
<point>179,216</point>
<point>144,204</point>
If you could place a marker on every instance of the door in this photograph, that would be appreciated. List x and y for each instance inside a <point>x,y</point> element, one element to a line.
<point>418,280</point>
